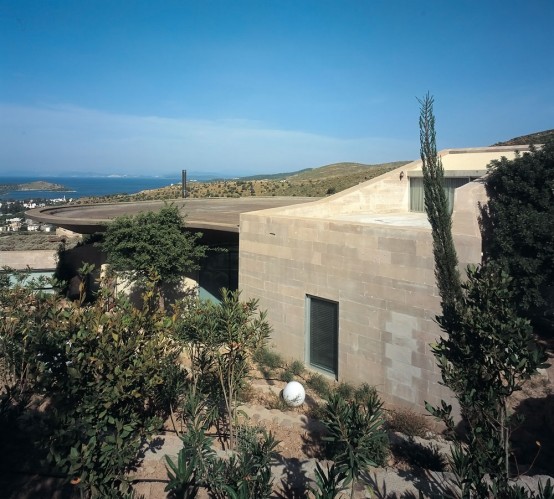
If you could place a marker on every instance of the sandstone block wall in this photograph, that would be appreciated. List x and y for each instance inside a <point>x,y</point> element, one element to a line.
<point>383,280</point>
<point>381,276</point>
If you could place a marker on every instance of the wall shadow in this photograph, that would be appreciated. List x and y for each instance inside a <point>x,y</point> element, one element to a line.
<point>533,440</point>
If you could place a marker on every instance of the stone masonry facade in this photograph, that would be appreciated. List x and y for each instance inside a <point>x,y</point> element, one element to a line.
<point>383,281</point>
<point>381,274</point>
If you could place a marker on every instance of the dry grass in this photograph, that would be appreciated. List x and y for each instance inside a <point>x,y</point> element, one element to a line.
<point>20,241</point>
<point>408,422</point>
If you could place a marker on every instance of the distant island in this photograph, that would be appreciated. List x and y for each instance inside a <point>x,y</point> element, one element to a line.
<point>38,185</point>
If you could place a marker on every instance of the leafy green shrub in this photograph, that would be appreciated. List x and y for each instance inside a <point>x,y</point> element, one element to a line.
<point>153,247</point>
<point>328,485</point>
<point>106,389</point>
<point>356,435</point>
<point>20,321</point>
<point>224,336</point>
<point>198,411</point>
<point>102,371</point>
<point>196,461</point>
<point>518,223</point>
<point>247,474</point>
<point>546,491</point>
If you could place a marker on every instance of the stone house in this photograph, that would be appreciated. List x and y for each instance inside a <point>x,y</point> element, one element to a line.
<point>348,281</point>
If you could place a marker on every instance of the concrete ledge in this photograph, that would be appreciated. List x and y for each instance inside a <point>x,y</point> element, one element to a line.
<point>36,259</point>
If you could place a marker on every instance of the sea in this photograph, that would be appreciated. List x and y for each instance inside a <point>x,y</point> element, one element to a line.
<point>78,187</point>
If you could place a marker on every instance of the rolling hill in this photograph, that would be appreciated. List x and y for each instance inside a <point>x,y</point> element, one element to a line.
<point>316,182</point>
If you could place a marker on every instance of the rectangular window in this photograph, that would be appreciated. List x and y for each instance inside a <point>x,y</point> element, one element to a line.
<point>219,270</point>
<point>417,202</point>
<point>323,334</point>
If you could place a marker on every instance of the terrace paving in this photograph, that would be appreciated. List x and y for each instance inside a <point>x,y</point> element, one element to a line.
<point>206,213</point>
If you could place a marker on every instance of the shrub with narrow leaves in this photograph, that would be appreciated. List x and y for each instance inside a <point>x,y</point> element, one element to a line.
<point>356,435</point>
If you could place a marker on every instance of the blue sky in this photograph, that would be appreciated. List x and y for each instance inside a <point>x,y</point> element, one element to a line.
<point>263,86</point>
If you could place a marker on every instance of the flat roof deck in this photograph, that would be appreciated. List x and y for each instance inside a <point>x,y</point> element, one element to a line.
<point>206,213</point>
<point>408,219</point>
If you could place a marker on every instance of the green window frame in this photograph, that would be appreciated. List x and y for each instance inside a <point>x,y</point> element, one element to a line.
<point>323,334</point>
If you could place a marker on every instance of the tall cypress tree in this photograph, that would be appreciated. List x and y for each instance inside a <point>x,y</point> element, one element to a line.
<point>436,206</point>
<point>488,350</point>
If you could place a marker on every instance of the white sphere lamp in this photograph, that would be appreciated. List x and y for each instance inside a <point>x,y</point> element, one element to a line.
<point>294,394</point>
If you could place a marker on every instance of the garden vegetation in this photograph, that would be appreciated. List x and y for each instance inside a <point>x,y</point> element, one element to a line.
<point>488,350</point>
<point>108,374</point>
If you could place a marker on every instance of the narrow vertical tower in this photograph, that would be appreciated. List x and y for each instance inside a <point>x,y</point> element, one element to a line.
<point>184,183</point>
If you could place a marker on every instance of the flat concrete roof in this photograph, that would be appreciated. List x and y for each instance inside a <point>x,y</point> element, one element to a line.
<point>221,214</point>
<point>410,219</point>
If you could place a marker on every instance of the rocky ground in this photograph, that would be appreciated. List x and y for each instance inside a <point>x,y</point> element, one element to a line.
<point>300,448</point>
<point>407,474</point>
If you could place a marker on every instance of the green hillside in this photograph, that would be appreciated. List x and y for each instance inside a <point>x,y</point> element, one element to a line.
<point>339,170</point>
<point>532,138</point>
<point>311,182</point>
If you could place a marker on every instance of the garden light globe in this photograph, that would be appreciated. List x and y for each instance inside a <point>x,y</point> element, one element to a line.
<point>294,394</point>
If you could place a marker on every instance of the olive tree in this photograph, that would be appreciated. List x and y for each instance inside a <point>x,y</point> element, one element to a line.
<point>153,246</point>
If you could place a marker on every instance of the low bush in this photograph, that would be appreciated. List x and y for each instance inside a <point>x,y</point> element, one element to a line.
<point>345,390</point>
<point>197,459</point>
<point>319,384</point>
<point>246,473</point>
<point>328,484</point>
<point>287,376</point>
<point>408,422</point>
<point>297,367</point>
<point>267,361</point>
<point>364,393</point>
<point>276,401</point>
